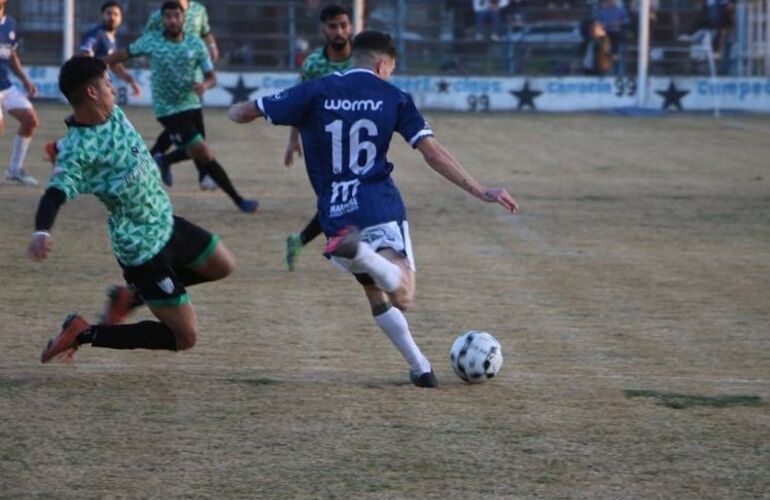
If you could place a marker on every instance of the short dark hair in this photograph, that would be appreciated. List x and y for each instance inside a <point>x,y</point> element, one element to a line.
<point>332,11</point>
<point>374,41</point>
<point>170,5</point>
<point>111,3</point>
<point>77,73</point>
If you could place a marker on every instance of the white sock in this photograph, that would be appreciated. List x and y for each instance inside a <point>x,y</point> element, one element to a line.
<point>394,324</point>
<point>20,147</point>
<point>386,274</point>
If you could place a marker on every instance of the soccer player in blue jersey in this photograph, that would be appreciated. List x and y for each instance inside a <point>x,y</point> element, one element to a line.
<point>100,41</point>
<point>13,101</point>
<point>346,122</point>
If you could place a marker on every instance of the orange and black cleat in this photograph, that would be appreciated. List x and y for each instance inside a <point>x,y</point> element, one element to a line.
<point>66,343</point>
<point>119,304</point>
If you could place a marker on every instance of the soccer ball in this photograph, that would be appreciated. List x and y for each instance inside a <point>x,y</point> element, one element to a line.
<point>476,356</point>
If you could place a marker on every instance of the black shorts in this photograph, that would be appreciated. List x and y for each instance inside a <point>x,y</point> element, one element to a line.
<point>185,128</point>
<point>157,281</point>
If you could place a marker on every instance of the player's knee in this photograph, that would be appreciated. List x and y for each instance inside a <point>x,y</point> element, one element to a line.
<point>403,299</point>
<point>224,264</point>
<point>28,124</point>
<point>185,339</point>
<point>32,122</point>
<point>228,265</point>
<point>201,152</point>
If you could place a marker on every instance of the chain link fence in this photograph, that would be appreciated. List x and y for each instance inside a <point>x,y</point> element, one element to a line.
<point>526,37</point>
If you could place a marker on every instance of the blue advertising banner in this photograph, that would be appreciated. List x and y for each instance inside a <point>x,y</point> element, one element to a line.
<point>481,94</point>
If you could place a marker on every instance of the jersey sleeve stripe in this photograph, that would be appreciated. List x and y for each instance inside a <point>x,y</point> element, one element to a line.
<point>261,106</point>
<point>419,135</point>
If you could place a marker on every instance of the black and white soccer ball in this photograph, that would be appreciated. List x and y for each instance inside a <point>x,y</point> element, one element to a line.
<point>476,356</point>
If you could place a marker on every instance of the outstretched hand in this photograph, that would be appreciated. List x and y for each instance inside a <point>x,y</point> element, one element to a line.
<point>136,90</point>
<point>291,148</point>
<point>40,246</point>
<point>501,196</point>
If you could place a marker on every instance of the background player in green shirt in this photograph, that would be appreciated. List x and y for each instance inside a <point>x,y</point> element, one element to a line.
<point>160,254</point>
<point>175,58</point>
<point>336,29</point>
<point>196,23</point>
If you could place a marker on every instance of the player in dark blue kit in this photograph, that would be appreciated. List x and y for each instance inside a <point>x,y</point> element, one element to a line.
<point>13,101</point>
<point>346,121</point>
<point>100,41</point>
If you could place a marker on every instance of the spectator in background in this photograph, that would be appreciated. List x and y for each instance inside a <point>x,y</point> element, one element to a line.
<point>719,17</point>
<point>614,19</point>
<point>717,20</point>
<point>489,11</point>
<point>596,49</point>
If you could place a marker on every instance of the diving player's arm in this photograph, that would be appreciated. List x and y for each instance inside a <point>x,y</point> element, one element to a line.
<point>42,243</point>
<point>209,81</point>
<point>244,112</point>
<point>442,161</point>
<point>124,75</point>
<point>18,70</point>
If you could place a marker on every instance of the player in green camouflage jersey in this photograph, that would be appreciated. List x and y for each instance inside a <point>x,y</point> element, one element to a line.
<point>141,217</point>
<point>174,59</point>
<point>160,254</point>
<point>196,23</point>
<point>333,56</point>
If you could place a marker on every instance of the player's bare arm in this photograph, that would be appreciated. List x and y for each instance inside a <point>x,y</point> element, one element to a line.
<point>124,75</point>
<point>18,70</point>
<point>292,147</point>
<point>117,57</point>
<point>244,112</point>
<point>442,161</point>
<point>209,81</point>
<point>211,44</point>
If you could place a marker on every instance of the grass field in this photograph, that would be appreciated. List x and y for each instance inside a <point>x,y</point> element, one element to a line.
<point>630,297</point>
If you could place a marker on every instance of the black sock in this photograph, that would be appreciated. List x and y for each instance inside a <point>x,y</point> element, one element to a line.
<point>216,172</point>
<point>142,335</point>
<point>312,230</point>
<point>162,143</point>
<point>175,156</point>
<point>202,172</point>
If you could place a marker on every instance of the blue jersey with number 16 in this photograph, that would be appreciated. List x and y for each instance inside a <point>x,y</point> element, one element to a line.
<point>346,121</point>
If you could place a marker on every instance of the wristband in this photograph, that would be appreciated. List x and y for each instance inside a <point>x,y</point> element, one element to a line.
<point>42,233</point>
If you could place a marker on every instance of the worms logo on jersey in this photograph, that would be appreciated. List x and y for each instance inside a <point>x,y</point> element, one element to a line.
<point>346,105</point>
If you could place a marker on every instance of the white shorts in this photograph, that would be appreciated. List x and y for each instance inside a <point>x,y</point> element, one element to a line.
<point>388,235</point>
<point>12,98</point>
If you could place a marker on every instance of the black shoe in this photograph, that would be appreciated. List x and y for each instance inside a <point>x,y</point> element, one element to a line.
<point>427,379</point>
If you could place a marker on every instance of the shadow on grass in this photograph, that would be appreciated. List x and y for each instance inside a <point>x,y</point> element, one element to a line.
<point>681,401</point>
<point>254,381</point>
